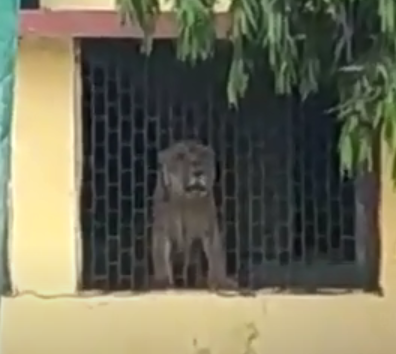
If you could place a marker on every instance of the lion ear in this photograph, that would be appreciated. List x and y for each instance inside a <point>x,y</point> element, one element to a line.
<point>163,171</point>
<point>161,158</point>
<point>209,151</point>
<point>165,176</point>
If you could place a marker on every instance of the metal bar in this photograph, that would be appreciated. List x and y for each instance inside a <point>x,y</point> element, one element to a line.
<point>165,105</point>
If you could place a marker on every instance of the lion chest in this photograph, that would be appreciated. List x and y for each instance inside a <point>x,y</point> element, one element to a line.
<point>188,223</point>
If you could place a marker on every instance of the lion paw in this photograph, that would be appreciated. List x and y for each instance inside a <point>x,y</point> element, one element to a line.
<point>162,284</point>
<point>223,284</point>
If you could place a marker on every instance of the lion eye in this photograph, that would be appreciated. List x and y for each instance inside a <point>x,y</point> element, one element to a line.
<point>180,156</point>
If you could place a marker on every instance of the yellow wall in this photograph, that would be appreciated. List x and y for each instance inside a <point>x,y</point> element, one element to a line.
<point>166,5</point>
<point>79,4</point>
<point>44,258</point>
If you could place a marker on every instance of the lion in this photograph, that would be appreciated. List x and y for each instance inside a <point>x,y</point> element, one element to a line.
<point>184,211</point>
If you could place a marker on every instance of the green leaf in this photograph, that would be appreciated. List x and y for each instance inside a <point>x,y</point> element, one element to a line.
<point>307,45</point>
<point>145,13</point>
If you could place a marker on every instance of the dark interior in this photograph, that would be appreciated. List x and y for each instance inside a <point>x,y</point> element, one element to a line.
<point>283,204</point>
<point>30,4</point>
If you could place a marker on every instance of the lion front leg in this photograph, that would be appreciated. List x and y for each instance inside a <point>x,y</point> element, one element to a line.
<point>215,254</point>
<point>161,257</point>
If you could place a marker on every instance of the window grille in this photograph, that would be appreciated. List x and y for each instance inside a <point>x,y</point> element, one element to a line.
<point>289,218</point>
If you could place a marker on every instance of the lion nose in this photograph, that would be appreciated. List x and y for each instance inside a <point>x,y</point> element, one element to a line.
<point>198,173</point>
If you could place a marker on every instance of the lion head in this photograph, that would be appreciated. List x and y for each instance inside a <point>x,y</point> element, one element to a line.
<point>187,169</point>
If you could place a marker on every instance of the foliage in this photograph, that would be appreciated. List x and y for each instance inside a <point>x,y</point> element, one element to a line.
<point>308,44</point>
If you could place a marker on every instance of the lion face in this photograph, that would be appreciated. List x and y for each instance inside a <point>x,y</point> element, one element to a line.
<point>188,169</point>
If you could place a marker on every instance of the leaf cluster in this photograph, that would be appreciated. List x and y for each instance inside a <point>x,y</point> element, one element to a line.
<point>349,45</point>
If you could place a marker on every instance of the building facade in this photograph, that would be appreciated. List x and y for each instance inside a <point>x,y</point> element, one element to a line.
<point>46,314</point>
